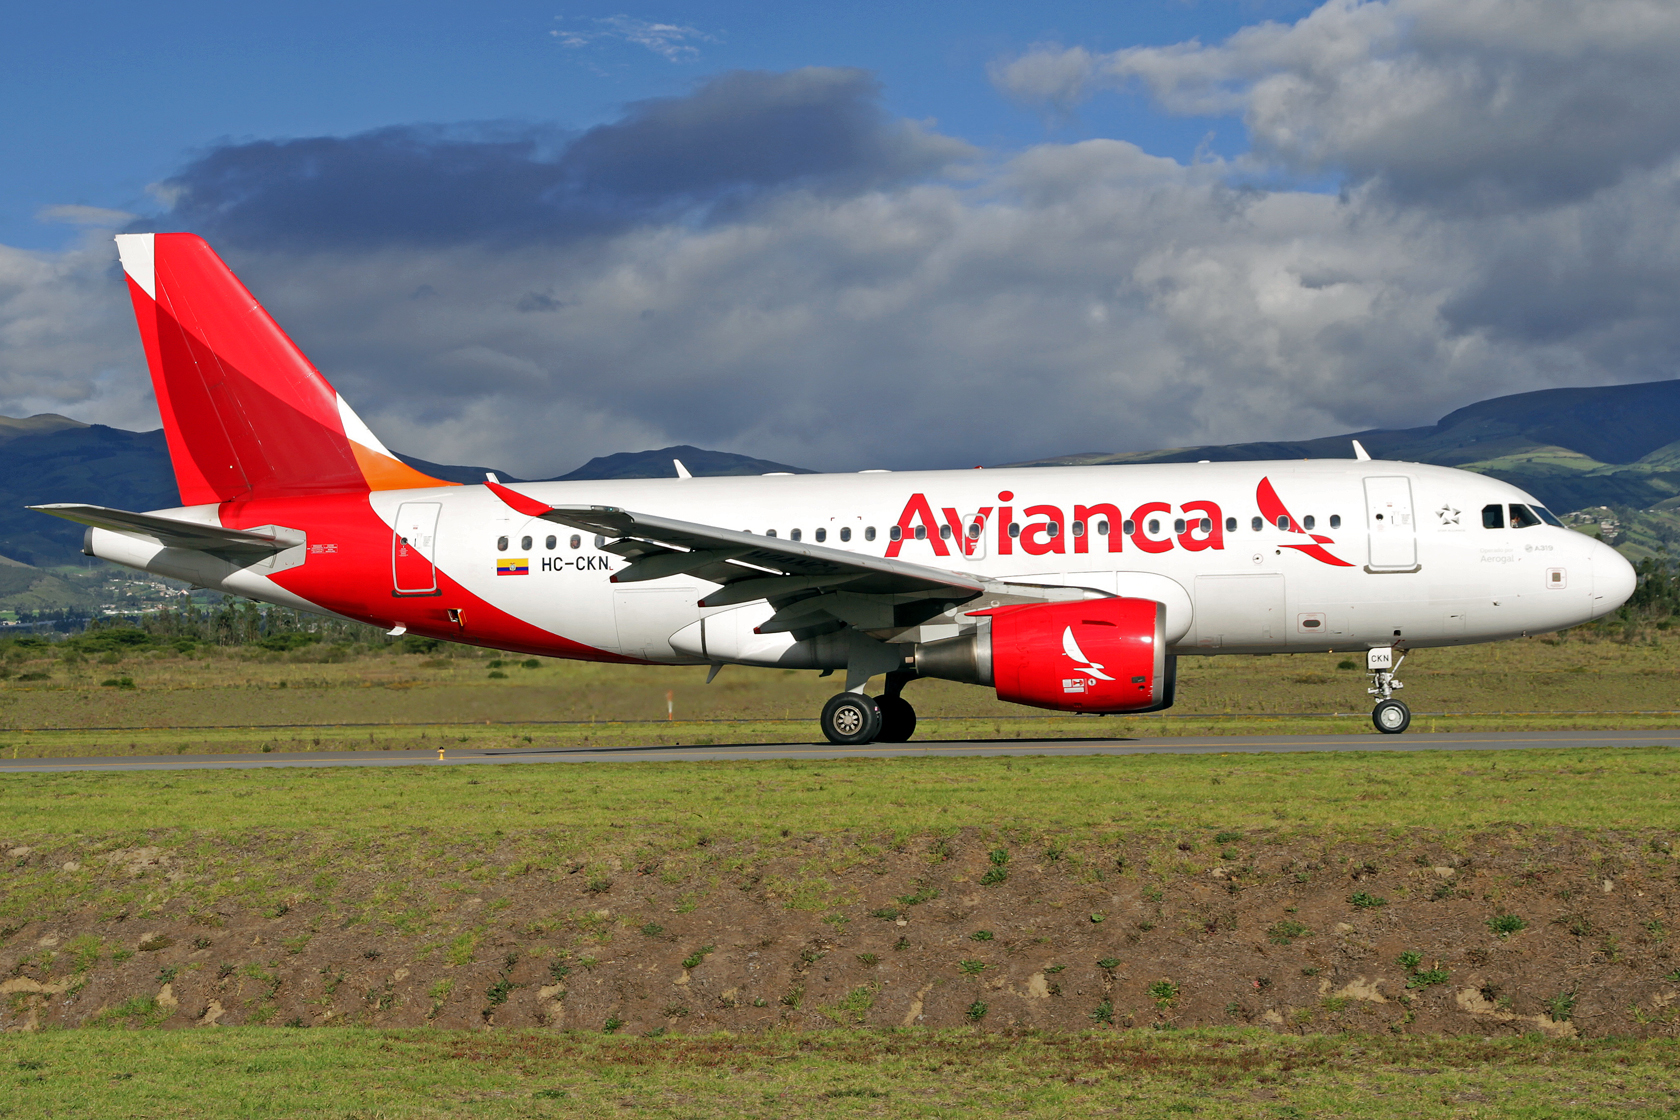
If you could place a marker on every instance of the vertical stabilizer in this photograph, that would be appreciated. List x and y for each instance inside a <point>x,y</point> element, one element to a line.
<point>245,413</point>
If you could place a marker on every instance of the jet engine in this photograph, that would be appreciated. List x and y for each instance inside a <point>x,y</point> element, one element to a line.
<point>1095,655</point>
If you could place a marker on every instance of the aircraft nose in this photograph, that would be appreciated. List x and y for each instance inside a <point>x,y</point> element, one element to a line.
<point>1613,578</point>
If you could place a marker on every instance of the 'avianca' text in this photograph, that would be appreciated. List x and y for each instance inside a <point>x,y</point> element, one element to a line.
<point>1042,530</point>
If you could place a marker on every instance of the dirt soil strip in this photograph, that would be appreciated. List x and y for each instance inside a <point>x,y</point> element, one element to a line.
<point>1234,744</point>
<point>1504,931</point>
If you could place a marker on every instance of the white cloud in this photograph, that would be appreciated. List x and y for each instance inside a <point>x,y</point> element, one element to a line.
<point>1085,296</point>
<point>75,215</point>
<point>773,265</point>
<point>671,41</point>
<point>67,338</point>
<point>1481,103</point>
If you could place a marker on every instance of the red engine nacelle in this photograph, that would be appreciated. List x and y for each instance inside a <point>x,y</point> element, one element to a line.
<point>1095,655</point>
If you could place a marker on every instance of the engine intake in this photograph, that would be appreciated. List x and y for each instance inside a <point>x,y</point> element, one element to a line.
<point>1096,655</point>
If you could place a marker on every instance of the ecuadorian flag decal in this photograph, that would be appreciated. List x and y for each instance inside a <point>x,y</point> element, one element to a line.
<point>515,566</point>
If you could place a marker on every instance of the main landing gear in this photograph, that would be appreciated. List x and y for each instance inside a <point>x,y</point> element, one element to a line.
<point>851,718</point>
<point>1390,716</point>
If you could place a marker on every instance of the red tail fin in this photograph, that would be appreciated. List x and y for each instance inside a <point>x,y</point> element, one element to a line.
<point>246,414</point>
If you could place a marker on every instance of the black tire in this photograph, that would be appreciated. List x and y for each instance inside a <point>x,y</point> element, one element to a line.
<point>1391,717</point>
<point>850,719</point>
<point>898,719</point>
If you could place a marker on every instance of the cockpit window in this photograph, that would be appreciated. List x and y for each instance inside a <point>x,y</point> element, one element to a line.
<point>1522,517</point>
<point>1547,516</point>
<point>1493,517</point>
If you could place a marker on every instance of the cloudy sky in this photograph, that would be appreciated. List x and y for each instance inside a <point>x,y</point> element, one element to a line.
<point>846,236</point>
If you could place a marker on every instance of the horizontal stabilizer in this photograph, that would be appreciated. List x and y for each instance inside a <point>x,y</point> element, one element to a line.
<point>174,533</point>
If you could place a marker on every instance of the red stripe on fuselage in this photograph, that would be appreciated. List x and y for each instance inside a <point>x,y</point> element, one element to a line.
<point>354,579</point>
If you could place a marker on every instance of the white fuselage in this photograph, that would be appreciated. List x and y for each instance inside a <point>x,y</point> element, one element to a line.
<point>1444,580</point>
<point>1425,573</point>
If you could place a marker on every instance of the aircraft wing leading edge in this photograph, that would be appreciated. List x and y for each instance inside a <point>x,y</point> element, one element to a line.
<point>749,566</point>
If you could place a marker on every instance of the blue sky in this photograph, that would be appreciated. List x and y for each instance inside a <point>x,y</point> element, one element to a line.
<point>862,235</point>
<point>105,99</point>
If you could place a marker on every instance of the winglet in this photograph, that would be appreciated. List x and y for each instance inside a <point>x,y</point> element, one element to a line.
<point>530,507</point>
<point>682,471</point>
<point>1360,453</point>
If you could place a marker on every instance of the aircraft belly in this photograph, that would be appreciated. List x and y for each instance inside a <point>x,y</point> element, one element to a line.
<point>646,615</point>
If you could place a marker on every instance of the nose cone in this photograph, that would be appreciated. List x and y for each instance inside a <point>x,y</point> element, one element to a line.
<point>1613,579</point>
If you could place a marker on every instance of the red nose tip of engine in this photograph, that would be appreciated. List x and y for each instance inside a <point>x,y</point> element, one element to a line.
<point>1096,655</point>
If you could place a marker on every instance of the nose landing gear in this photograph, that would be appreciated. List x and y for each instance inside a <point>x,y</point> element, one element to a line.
<point>1390,716</point>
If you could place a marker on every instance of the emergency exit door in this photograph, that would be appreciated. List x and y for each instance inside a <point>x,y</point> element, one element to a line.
<point>1390,525</point>
<point>413,546</point>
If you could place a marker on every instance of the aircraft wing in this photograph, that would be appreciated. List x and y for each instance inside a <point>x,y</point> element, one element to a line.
<point>748,565</point>
<point>173,533</point>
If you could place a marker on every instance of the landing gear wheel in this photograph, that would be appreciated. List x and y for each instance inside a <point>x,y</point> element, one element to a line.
<point>1391,717</point>
<point>851,718</point>
<point>898,719</point>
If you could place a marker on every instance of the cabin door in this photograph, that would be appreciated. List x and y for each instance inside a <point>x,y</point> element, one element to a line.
<point>1390,524</point>
<point>413,546</point>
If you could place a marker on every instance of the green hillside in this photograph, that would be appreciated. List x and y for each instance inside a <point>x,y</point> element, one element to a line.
<point>1573,449</point>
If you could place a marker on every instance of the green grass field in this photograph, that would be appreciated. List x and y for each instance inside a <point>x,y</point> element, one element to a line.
<point>421,839</point>
<point>1252,1075</point>
<point>337,698</point>
<point>665,805</point>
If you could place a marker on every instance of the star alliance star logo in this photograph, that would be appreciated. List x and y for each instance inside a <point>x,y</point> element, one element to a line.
<point>1447,514</point>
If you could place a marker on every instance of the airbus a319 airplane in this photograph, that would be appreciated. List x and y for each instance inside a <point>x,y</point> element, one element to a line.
<point>1074,589</point>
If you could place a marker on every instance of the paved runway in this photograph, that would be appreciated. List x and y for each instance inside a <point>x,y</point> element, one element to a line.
<point>930,748</point>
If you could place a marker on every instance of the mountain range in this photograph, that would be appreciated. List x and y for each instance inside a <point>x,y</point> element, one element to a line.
<point>1618,445</point>
<point>1572,448</point>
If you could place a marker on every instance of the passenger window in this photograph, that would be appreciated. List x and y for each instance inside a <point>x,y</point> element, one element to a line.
<point>1283,521</point>
<point>501,544</point>
<point>846,533</point>
<point>869,532</point>
<point>524,544</point>
<point>1335,521</point>
<point>1127,527</point>
<point>822,535</point>
<point>577,541</point>
<point>921,532</point>
<point>1102,528</point>
<point>945,532</point>
<point>769,532</point>
<point>1154,525</point>
<point>1255,524</point>
<point>895,533</point>
<point>1178,525</point>
<point>551,542</point>
<point>1207,524</point>
<point>974,530</point>
<point>1014,528</point>
<point>1230,524</point>
<point>1079,528</point>
<point>1493,517</point>
<point>795,535</point>
<point>1052,529</point>
<point>1522,517</point>
<point>1307,522</point>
